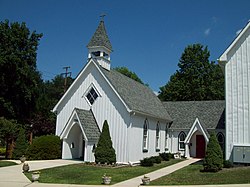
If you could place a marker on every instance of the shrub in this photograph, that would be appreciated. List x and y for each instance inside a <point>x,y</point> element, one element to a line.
<point>44,148</point>
<point>156,159</point>
<point>213,160</point>
<point>227,164</point>
<point>147,162</point>
<point>21,145</point>
<point>2,151</point>
<point>165,156</point>
<point>104,152</point>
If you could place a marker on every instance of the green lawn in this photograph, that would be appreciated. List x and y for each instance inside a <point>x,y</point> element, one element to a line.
<point>6,163</point>
<point>191,175</point>
<point>87,174</point>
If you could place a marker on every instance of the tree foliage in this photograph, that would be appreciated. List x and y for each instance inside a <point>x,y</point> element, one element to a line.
<point>50,92</point>
<point>21,144</point>
<point>104,152</point>
<point>8,132</point>
<point>18,74</point>
<point>196,79</point>
<point>213,160</point>
<point>125,71</point>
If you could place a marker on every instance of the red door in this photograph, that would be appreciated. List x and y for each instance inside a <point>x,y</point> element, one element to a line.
<point>200,146</point>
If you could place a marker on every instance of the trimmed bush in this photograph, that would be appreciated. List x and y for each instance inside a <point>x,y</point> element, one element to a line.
<point>165,156</point>
<point>104,152</point>
<point>213,160</point>
<point>156,159</point>
<point>147,162</point>
<point>21,145</point>
<point>44,148</point>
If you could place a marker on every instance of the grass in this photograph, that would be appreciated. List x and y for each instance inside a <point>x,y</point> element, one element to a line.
<point>191,175</point>
<point>92,175</point>
<point>7,163</point>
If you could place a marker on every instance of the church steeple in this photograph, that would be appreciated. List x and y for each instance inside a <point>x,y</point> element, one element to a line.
<point>100,47</point>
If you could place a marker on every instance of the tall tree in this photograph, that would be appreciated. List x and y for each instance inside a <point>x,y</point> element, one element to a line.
<point>196,79</point>
<point>50,92</point>
<point>18,74</point>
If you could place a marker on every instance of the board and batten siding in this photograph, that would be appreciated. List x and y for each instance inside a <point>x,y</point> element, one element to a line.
<point>237,81</point>
<point>135,138</point>
<point>107,107</point>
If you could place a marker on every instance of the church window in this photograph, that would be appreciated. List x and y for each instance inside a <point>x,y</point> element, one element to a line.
<point>166,137</point>
<point>221,140</point>
<point>157,137</point>
<point>145,135</point>
<point>92,96</point>
<point>181,138</point>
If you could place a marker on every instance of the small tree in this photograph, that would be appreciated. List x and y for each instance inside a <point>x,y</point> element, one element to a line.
<point>104,152</point>
<point>213,161</point>
<point>21,144</point>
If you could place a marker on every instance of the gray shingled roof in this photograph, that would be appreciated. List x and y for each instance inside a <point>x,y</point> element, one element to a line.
<point>89,124</point>
<point>100,37</point>
<point>137,96</point>
<point>211,114</point>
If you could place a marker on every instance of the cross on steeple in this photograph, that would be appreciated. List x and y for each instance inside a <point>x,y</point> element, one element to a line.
<point>102,17</point>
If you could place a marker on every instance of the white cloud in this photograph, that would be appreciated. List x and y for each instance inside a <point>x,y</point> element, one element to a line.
<point>238,32</point>
<point>207,32</point>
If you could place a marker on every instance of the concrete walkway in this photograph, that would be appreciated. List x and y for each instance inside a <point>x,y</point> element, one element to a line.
<point>12,176</point>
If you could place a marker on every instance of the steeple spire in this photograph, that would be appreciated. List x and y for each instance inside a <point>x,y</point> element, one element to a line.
<point>100,37</point>
<point>99,46</point>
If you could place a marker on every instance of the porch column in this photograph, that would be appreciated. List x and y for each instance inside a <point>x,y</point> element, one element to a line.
<point>187,154</point>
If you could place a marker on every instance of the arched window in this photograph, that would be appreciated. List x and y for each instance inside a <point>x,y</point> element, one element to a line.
<point>166,137</point>
<point>221,140</point>
<point>145,135</point>
<point>181,139</point>
<point>157,143</point>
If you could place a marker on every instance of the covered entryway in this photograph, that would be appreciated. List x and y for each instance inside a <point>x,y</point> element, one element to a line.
<point>196,141</point>
<point>200,146</point>
<point>80,135</point>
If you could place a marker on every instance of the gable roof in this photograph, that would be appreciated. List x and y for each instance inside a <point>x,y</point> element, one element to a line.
<point>224,57</point>
<point>89,124</point>
<point>211,114</point>
<point>100,38</point>
<point>137,96</point>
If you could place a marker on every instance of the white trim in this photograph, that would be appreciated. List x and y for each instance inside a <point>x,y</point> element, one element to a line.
<point>91,61</point>
<point>64,134</point>
<point>223,57</point>
<point>196,126</point>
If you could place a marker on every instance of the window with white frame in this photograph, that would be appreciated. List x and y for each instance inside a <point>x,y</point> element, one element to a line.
<point>181,139</point>
<point>145,135</point>
<point>221,140</point>
<point>157,140</point>
<point>91,95</point>
<point>166,137</point>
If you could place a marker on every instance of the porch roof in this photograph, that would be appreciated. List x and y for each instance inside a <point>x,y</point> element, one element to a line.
<point>88,123</point>
<point>211,114</point>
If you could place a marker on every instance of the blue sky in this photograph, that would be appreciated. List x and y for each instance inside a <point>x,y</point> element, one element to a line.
<point>148,36</point>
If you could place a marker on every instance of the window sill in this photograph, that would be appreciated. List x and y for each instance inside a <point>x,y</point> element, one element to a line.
<point>144,150</point>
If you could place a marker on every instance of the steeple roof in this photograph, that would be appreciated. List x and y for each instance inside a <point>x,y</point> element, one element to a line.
<point>100,38</point>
